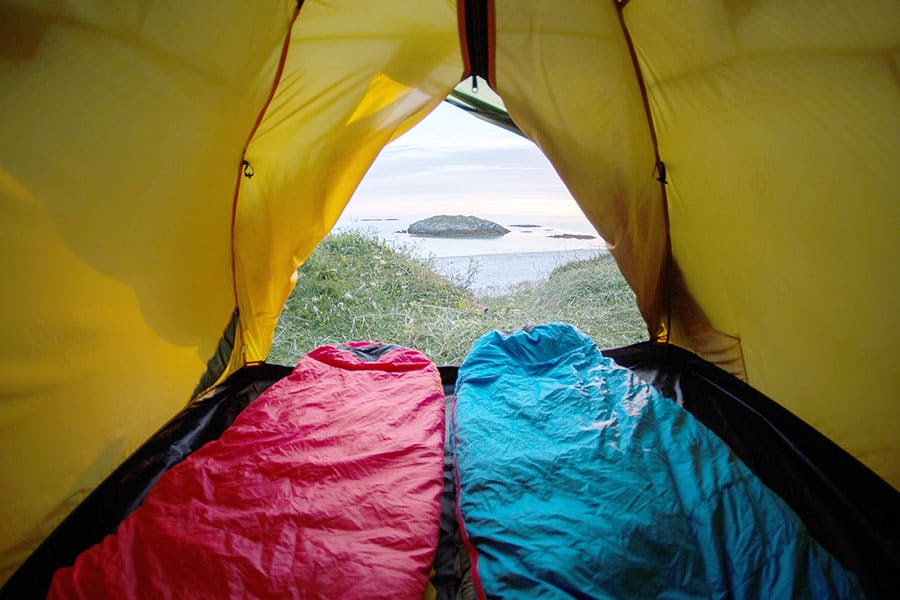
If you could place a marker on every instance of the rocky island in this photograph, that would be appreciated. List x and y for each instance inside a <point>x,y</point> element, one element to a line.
<point>456,226</point>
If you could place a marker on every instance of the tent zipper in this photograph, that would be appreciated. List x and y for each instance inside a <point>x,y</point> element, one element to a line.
<point>476,12</point>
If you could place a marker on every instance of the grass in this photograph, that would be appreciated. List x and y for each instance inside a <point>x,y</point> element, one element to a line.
<point>356,287</point>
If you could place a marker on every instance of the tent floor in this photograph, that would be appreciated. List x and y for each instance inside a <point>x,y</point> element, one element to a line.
<point>852,512</point>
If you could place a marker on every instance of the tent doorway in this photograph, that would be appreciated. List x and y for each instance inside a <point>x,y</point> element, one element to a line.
<point>373,279</point>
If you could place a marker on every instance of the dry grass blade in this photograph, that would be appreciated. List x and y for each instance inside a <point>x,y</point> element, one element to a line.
<point>356,287</point>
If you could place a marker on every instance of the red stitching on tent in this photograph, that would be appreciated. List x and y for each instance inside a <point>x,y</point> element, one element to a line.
<point>237,186</point>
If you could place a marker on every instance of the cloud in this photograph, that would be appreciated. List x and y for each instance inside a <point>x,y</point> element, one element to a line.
<point>455,162</point>
<point>437,145</point>
<point>449,130</point>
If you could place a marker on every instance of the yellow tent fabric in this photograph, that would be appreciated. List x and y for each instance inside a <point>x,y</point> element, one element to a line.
<point>123,128</point>
<point>588,117</point>
<point>351,83</point>
<point>132,225</point>
<point>780,125</point>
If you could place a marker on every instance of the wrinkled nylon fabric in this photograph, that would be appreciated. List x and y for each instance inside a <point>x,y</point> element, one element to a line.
<point>123,125</point>
<point>354,79</point>
<point>588,118</point>
<point>779,123</point>
<point>577,479</point>
<point>328,486</point>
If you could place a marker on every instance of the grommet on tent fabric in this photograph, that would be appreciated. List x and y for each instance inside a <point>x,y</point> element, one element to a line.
<point>474,84</point>
<point>662,173</point>
<point>248,170</point>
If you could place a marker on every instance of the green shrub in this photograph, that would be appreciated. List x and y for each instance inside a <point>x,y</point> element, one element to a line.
<point>356,287</point>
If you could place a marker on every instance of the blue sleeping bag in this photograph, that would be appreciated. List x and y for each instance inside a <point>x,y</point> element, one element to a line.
<point>578,480</point>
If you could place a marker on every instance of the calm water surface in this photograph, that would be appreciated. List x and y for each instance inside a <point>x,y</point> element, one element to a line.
<point>518,240</point>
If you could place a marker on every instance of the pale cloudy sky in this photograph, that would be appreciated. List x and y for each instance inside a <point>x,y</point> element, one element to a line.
<point>455,163</point>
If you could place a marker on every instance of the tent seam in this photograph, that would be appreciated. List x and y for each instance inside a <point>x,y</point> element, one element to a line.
<point>667,261</point>
<point>237,187</point>
<point>463,38</point>
<point>491,44</point>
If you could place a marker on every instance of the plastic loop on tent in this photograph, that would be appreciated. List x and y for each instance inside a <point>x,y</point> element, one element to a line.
<point>662,173</point>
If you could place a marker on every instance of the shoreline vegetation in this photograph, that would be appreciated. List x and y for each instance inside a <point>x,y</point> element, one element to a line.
<point>356,287</point>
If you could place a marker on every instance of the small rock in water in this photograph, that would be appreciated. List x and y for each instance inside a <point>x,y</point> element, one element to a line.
<point>573,236</point>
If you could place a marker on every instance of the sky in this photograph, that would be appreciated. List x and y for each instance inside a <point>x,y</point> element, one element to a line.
<point>454,163</point>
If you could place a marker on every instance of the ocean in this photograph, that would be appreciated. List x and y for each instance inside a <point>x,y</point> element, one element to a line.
<point>452,163</point>
<point>498,274</point>
<point>492,266</point>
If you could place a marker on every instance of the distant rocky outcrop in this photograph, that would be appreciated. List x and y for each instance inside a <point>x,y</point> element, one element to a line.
<point>456,226</point>
<point>573,236</point>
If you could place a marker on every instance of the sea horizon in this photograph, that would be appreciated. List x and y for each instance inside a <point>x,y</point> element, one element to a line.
<point>528,234</point>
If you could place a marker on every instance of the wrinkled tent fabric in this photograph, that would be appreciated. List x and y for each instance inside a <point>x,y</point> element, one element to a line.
<point>132,233</point>
<point>353,80</point>
<point>578,479</point>
<point>777,122</point>
<point>327,486</point>
<point>123,129</point>
<point>126,133</point>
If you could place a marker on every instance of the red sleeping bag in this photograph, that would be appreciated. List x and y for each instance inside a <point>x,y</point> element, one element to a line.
<point>327,486</point>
